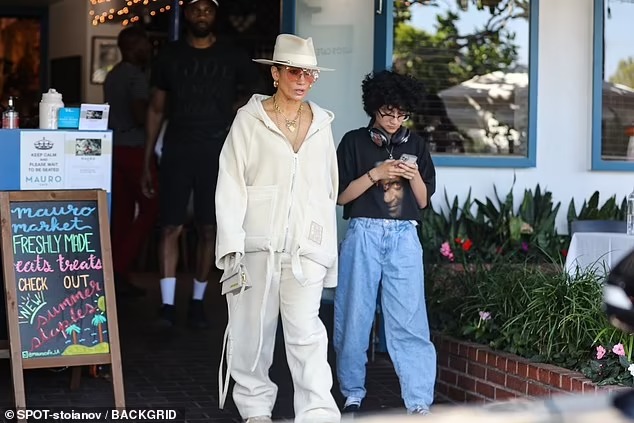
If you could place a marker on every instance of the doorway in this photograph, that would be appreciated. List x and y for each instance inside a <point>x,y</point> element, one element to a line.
<point>253,24</point>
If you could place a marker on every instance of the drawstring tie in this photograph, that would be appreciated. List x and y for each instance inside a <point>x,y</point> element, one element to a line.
<point>223,383</point>
<point>267,288</point>
<point>296,266</point>
<point>298,272</point>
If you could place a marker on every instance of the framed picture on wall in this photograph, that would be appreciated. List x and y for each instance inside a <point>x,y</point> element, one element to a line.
<point>104,55</point>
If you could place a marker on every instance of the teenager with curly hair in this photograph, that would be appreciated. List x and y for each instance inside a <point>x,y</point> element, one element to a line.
<point>386,176</point>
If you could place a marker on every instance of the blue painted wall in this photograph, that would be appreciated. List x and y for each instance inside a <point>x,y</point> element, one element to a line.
<point>9,159</point>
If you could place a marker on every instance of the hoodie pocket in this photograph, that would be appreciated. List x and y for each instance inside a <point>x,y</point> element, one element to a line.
<point>258,221</point>
<point>319,238</point>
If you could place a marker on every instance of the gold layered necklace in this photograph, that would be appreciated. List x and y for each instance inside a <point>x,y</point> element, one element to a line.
<point>291,124</point>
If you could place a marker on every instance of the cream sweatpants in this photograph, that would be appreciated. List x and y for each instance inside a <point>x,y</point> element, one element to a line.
<point>305,339</point>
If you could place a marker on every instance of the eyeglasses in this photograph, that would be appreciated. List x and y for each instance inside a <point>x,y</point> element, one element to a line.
<point>401,117</point>
<point>311,75</point>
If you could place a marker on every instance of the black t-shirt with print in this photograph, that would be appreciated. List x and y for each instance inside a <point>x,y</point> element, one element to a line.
<point>394,199</point>
<point>202,86</point>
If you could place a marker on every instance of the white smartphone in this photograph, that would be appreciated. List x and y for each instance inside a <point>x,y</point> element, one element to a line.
<point>409,158</point>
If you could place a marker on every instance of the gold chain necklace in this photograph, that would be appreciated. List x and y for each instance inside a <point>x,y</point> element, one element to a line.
<point>291,124</point>
<point>293,142</point>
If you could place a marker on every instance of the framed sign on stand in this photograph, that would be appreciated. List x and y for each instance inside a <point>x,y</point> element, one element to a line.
<point>60,302</point>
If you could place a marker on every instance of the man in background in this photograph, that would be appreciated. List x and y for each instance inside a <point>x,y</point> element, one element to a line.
<point>126,90</point>
<point>195,84</point>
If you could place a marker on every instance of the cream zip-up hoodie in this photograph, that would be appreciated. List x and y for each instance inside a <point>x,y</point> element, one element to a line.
<point>269,198</point>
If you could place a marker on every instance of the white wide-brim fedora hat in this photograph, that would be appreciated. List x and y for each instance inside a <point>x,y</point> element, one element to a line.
<point>294,51</point>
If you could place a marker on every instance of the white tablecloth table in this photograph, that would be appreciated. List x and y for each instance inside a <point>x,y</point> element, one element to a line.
<point>598,251</point>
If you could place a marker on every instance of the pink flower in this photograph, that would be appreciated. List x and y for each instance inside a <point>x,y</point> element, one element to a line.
<point>600,352</point>
<point>445,251</point>
<point>618,349</point>
<point>484,315</point>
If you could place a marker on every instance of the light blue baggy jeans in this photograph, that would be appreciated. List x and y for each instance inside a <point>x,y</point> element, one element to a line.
<point>384,251</point>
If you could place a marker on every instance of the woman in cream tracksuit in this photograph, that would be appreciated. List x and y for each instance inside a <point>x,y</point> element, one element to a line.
<point>275,202</point>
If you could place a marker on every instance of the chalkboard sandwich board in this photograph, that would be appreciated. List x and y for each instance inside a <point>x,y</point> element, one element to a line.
<point>60,301</point>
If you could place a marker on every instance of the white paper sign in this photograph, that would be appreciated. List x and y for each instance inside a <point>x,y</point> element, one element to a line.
<point>42,160</point>
<point>88,160</point>
<point>94,117</point>
<point>52,160</point>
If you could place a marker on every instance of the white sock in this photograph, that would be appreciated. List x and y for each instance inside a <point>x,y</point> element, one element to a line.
<point>168,287</point>
<point>199,289</point>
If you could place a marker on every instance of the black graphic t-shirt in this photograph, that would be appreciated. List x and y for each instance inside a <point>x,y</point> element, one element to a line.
<point>202,86</point>
<point>388,199</point>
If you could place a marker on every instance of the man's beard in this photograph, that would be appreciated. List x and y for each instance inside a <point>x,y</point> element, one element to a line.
<point>199,31</point>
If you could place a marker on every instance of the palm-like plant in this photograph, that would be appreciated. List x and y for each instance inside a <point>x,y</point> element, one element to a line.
<point>98,320</point>
<point>73,330</point>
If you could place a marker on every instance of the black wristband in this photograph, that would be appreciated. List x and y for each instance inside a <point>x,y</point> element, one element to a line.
<point>374,181</point>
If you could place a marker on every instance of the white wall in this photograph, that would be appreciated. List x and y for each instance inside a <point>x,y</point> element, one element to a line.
<point>70,34</point>
<point>564,120</point>
<point>342,33</point>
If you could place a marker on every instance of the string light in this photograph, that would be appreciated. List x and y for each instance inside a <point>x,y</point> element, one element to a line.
<point>129,11</point>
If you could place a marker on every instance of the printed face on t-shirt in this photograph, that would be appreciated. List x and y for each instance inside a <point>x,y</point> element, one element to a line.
<point>393,196</point>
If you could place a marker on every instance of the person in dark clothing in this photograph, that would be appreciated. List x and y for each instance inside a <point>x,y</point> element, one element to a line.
<point>126,90</point>
<point>196,83</point>
<point>386,176</point>
<point>440,129</point>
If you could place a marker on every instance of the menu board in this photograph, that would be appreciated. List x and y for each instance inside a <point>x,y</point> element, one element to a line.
<point>59,280</point>
<point>57,267</point>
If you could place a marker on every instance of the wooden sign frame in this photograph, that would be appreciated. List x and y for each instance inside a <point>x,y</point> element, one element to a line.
<point>18,364</point>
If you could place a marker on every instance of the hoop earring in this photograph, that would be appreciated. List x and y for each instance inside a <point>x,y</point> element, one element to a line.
<point>275,84</point>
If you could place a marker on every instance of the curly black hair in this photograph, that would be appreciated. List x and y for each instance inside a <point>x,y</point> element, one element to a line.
<point>388,88</point>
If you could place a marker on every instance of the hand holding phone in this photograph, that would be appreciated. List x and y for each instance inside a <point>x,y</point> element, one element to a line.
<point>409,158</point>
<point>408,166</point>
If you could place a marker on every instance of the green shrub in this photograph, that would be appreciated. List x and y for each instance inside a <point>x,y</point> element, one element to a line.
<point>494,275</point>
<point>495,230</point>
<point>535,311</point>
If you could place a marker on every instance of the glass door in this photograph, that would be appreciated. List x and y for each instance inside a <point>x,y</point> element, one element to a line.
<point>344,36</point>
<point>343,32</point>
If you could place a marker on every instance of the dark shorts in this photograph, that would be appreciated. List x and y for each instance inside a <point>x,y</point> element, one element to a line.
<point>184,172</point>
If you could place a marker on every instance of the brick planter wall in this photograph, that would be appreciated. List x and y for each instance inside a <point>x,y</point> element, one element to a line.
<point>474,373</point>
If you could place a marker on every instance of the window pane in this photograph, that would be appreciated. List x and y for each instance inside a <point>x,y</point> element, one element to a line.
<point>618,81</point>
<point>473,56</point>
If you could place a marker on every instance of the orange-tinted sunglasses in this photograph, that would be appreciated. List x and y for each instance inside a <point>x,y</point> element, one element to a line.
<point>311,75</point>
